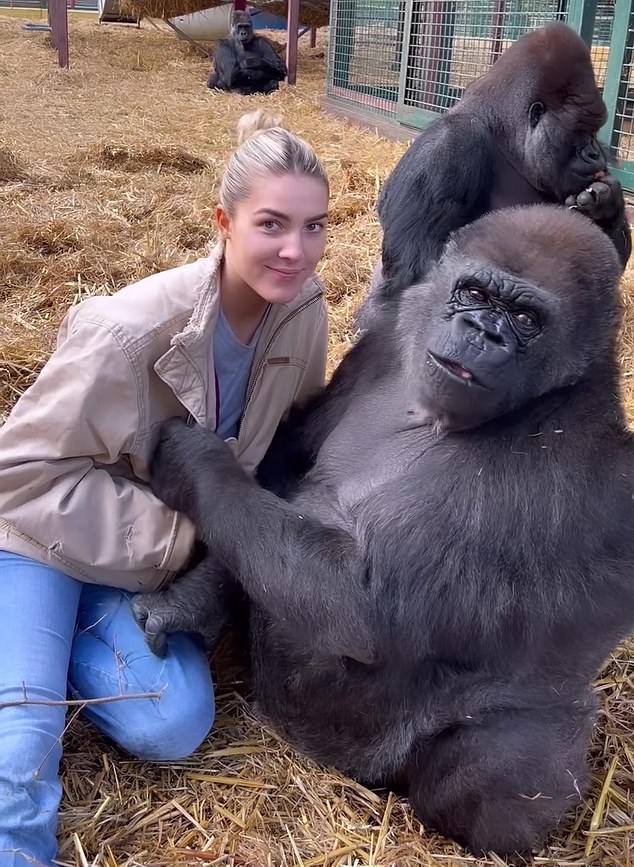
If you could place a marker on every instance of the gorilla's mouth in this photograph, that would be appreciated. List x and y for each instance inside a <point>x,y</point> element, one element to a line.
<point>455,370</point>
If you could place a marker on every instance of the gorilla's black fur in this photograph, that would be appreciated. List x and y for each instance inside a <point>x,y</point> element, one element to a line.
<point>522,133</point>
<point>453,558</point>
<point>246,63</point>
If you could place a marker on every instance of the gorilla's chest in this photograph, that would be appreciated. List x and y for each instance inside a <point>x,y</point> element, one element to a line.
<point>374,445</point>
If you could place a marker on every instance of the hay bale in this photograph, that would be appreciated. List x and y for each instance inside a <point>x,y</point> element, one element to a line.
<point>165,8</point>
<point>314,13</point>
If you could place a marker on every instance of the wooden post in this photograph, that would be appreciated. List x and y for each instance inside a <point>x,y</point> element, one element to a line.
<point>292,29</point>
<point>58,21</point>
<point>313,37</point>
<point>239,5</point>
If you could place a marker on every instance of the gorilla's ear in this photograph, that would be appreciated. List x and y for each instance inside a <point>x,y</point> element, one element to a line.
<point>535,113</point>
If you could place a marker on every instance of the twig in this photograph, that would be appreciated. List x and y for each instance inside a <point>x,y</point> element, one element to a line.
<point>78,701</point>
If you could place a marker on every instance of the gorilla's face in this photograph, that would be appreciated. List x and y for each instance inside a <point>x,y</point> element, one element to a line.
<point>559,161</point>
<point>242,28</point>
<point>522,303</point>
<point>548,110</point>
<point>483,354</point>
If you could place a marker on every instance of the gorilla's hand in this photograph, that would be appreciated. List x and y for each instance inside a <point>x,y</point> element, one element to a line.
<point>194,602</point>
<point>181,454</point>
<point>602,201</point>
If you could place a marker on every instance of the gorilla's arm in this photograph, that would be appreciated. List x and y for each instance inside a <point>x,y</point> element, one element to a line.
<point>307,576</point>
<point>227,72</point>
<point>441,183</point>
<point>272,63</point>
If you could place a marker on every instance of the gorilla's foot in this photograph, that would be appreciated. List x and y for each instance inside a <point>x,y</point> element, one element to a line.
<point>503,785</point>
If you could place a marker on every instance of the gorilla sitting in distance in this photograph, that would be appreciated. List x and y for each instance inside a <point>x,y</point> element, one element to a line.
<point>524,132</point>
<point>440,553</point>
<point>246,63</point>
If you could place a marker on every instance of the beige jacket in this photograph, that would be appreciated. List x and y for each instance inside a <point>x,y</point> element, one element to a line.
<point>74,451</point>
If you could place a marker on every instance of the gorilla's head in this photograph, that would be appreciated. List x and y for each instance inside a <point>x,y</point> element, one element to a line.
<point>523,302</point>
<point>242,27</point>
<point>546,110</point>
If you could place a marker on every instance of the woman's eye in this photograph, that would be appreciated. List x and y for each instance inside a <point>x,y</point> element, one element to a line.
<point>270,225</point>
<point>315,227</point>
<point>526,320</point>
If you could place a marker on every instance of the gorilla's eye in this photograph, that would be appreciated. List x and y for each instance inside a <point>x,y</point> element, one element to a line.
<point>467,296</point>
<point>527,321</point>
<point>477,295</point>
<point>535,113</point>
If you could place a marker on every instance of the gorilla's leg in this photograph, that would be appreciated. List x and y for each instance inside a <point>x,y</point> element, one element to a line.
<point>503,785</point>
<point>308,577</point>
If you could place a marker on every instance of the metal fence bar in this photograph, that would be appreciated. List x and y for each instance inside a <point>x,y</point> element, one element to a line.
<point>581,17</point>
<point>407,8</point>
<point>614,67</point>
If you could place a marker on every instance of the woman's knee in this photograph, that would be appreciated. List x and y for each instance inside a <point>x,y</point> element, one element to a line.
<point>164,729</point>
<point>164,708</point>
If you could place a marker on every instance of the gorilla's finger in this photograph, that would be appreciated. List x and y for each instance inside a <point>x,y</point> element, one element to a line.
<point>587,199</point>
<point>155,636</point>
<point>139,611</point>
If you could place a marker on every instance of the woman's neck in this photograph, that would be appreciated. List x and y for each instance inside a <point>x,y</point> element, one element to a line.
<point>242,307</point>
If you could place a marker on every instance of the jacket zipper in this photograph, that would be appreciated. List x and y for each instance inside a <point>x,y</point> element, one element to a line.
<point>262,361</point>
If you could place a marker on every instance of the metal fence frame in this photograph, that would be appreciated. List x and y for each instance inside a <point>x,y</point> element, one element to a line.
<point>606,25</point>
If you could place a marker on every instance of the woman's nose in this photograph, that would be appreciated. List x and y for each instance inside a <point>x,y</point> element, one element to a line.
<point>292,247</point>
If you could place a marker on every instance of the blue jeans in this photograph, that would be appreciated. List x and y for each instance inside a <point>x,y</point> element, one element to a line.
<point>59,638</point>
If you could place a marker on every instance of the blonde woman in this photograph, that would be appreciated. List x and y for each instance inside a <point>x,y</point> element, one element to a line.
<point>229,341</point>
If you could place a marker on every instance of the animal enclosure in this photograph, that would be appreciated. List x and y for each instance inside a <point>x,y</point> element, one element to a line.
<point>109,172</point>
<point>406,62</point>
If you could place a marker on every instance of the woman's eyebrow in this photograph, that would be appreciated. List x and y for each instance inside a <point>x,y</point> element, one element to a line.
<point>273,213</point>
<point>281,216</point>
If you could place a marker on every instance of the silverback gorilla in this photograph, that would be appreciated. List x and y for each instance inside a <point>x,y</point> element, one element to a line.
<point>522,133</point>
<point>246,63</point>
<point>440,553</point>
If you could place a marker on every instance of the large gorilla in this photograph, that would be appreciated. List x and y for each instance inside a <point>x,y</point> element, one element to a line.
<point>444,556</point>
<point>522,133</point>
<point>244,62</point>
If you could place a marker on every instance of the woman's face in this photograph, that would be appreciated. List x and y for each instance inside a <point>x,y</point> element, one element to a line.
<point>277,235</point>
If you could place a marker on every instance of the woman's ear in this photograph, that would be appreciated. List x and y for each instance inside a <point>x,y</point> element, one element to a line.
<point>223,221</point>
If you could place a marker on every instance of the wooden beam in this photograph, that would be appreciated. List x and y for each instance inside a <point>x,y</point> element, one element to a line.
<point>239,5</point>
<point>292,38</point>
<point>313,37</point>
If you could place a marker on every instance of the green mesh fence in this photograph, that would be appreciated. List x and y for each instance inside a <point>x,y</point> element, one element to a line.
<point>451,43</point>
<point>422,53</point>
<point>623,134</point>
<point>410,60</point>
<point>366,52</point>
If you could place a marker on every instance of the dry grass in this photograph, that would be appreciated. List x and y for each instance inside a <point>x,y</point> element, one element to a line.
<point>108,172</point>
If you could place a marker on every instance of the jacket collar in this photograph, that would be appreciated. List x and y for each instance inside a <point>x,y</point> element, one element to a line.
<point>186,366</point>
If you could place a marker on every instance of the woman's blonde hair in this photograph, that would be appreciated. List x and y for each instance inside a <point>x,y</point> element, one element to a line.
<point>265,147</point>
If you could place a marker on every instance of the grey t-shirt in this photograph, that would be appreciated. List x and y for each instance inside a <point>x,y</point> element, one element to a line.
<point>232,363</point>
